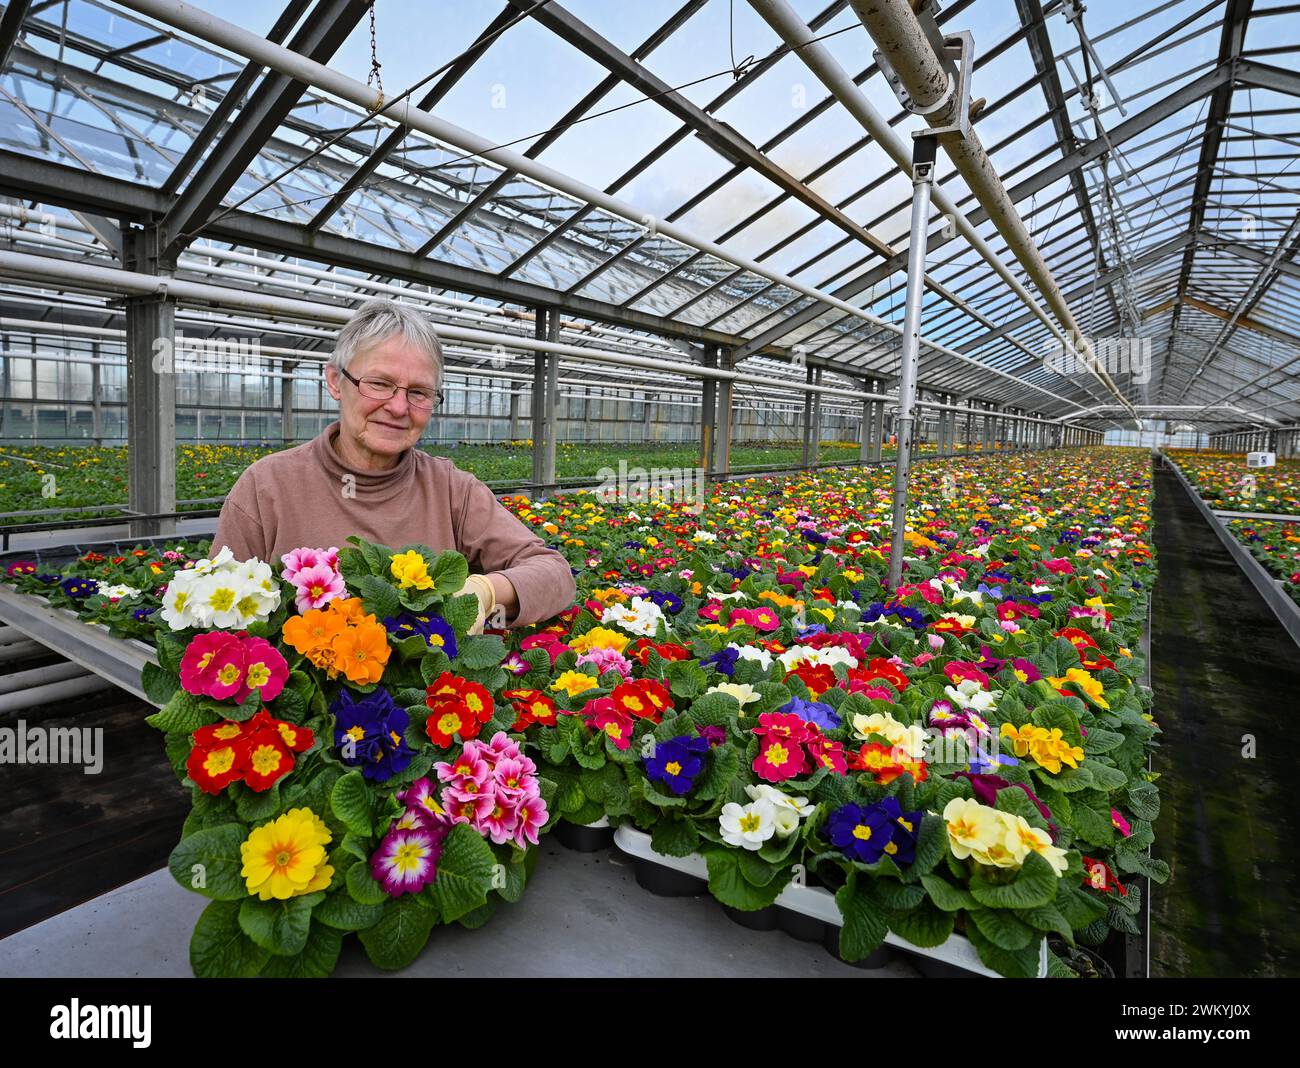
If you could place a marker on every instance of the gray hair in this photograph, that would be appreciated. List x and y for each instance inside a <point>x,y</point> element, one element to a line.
<point>378,320</point>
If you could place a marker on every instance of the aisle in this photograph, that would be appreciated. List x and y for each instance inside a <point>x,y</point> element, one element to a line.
<point>1223,672</point>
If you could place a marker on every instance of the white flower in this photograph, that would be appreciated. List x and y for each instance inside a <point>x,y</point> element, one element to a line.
<point>221,592</point>
<point>748,826</point>
<point>908,739</point>
<point>787,810</point>
<point>704,535</point>
<point>974,596</point>
<point>805,654</point>
<point>639,616</point>
<point>970,694</point>
<point>116,592</point>
<point>716,596</point>
<point>748,652</point>
<point>741,691</point>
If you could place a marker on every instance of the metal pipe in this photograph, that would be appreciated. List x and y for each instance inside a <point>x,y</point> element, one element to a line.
<point>22,700</point>
<point>894,27</point>
<point>797,35</point>
<point>21,680</point>
<point>922,176</point>
<point>22,650</point>
<point>216,31</point>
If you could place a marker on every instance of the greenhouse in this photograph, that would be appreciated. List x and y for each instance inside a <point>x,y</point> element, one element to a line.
<point>713,488</point>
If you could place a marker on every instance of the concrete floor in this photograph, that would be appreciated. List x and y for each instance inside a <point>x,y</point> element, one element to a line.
<point>583,915</point>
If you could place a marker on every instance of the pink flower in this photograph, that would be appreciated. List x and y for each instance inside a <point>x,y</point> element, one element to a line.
<point>200,661</point>
<point>530,817</point>
<point>550,642</point>
<point>300,559</point>
<point>936,641</point>
<point>468,808</point>
<point>959,670</point>
<point>501,747</point>
<point>606,660</point>
<point>231,665</point>
<point>469,774</point>
<point>512,778</point>
<point>1059,567</point>
<point>1121,824</point>
<point>316,586</point>
<point>924,658</point>
<point>499,824</point>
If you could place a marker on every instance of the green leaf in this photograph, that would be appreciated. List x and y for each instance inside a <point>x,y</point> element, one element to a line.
<point>675,837</point>
<point>946,896</point>
<point>1079,907</point>
<point>278,926</point>
<point>729,885</point>
<point>1059,714</point>
<point>182,714</point>
<point>931,845</point>
<point>1144,800</point>
<point>1003,928</point>
<point>378,596</point>
<point>461,611</point>
<point>1014,964</point>
<point>1106,777</point>
<point>924,925</point>
<point>864,924</point>
<point>480,651</point>
<point>350,802</point>
<point>464,873</point>
<point>219,949</point>
<point>895,895</point>
<point>658,799</point>
<point>476,919</point>
<point>209,861</point>
<point>254,807</point>
<point>1092,826</point>
<point>344,913</point>
<point>159,685</point>
<point>449,571</point>
<point>316,961</point>
<point>400,934</point>
<point>1048,918</point>
<point>1035,884</point>
<point>1101,741</point>
<point>364,888</point>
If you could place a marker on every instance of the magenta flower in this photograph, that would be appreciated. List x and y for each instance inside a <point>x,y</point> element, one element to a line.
<point>316,587</point>
<point>299,559</point>
<point>407,859</point>
<point>1121,824</point>
<point>231,665</point>
<point>530,817</point>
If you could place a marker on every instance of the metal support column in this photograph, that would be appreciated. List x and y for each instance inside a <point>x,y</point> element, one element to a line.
<point>722,419</point>
<point>514,413</point>
<point>287,427</point>
<point>96,389</point>
<point>150,386</point>
<point>545,402</point>
<point>923,153</point>
<point>809,447</point>
<point>708,412</point>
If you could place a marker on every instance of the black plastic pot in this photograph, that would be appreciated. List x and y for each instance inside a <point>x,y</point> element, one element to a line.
<point>666,882</point>
<point>804,928</point>
<point>582,838</point>
<point>870,962</point>
<point>758,920</point>
<point>1084,962</point>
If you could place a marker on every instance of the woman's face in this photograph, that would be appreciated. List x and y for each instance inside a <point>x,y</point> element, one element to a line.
<point>378,431</point>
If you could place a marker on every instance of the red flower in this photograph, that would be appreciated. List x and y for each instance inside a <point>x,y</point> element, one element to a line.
<point>828,753</point>
<point>216,767</point>
<point>1076,637</point>
<point>602,715</point>
<point>880,668</point>
<point>531,706</point>
<point>950,626</point>
<point>957,670</point>
<point>783,725</point>
<point>458,706</point>
<point>1098,876</point>
<point>817,677</point>
<point>780,758</point>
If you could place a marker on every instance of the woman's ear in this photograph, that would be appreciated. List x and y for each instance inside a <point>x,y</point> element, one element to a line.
<point>332,377</point>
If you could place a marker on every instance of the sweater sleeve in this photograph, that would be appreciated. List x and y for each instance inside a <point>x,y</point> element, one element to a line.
<point>239,525</point>
<point>493,540</point>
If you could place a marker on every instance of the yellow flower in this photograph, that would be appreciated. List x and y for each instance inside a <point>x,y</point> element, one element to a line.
<point>600,638</point>
<point>286,857</point>
<point>410,570</point>
<point>574,683</point>
<point>1084,682</point>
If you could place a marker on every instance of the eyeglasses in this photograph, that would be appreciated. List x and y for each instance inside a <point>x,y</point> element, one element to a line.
<point>382,389</point>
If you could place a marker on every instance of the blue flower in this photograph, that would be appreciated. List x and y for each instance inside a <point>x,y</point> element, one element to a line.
<point>669,602</point>
<point>78,587</point>
<point>910,616</point>
<point>723,661</point>
<point>371,732</point>
<point>677,762</point>
<point>49,580</point>
<point>436,631</point>
<point>867,832</point>
<point>813,712</point>
<point>141,614</point>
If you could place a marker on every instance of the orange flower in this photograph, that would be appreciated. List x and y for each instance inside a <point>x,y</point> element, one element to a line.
<point>350,609</point>
<point>313,630</point>
<point>361,653</point>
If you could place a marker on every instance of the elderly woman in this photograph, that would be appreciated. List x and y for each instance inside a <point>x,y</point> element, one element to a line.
<point>363,475</point>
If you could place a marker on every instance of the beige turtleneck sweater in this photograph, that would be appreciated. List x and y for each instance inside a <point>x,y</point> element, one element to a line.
<point>307,496</point>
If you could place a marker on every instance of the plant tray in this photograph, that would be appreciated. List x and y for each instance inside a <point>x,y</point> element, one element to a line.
<point>817,903</point>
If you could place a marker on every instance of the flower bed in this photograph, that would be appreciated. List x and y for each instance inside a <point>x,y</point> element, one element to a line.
<point>1225,482</point>
<point>964,756</point>
<point>1276,545</point>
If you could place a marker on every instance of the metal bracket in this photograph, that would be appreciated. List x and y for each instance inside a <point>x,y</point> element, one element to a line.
<point>955,52</point>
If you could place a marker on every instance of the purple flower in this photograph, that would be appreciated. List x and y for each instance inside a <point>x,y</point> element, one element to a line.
<point>813,712</point>
<point>723,661</point>
<point>371,732</point>
<point>677,762</point>
<point>867,832</point>
<point>714,735</point>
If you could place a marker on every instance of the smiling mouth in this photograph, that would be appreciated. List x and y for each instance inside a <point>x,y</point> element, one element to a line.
<point>391,426</point>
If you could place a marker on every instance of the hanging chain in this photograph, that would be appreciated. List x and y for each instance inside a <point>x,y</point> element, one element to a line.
<point>374,79</point>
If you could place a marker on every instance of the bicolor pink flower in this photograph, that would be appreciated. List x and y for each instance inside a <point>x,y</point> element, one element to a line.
<point>500,823</point>
<point>316,587</point>
<point>516,665</point>
<point>605,659</point>
<point>300,559</point>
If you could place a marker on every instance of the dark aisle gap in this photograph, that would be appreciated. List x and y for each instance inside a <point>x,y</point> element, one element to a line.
<point>1223,669</point>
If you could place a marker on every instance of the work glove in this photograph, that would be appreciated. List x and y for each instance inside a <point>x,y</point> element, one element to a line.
<point>481,587</point>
